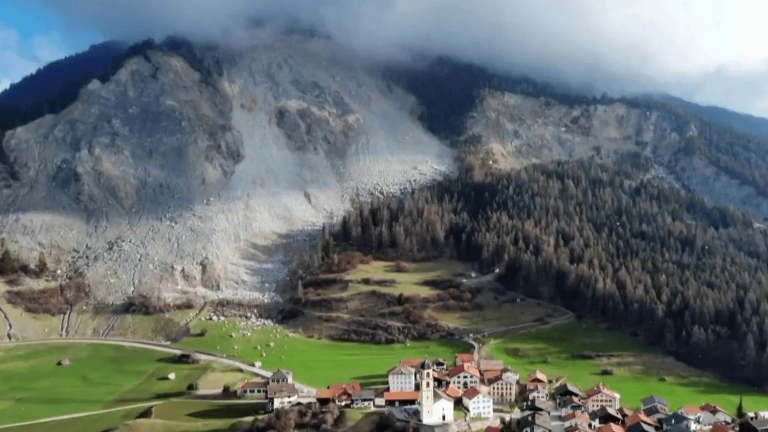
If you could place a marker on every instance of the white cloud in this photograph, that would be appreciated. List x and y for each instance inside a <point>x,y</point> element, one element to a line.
<point>19,58</point>
<point>618,45</point>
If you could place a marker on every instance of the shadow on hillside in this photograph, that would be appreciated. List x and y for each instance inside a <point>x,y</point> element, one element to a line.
<point>228,411</point>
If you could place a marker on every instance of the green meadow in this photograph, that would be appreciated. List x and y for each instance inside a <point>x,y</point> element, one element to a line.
<point>638,370</point>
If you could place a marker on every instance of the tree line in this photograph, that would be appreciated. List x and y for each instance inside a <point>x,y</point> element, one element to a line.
<point>609,243</point>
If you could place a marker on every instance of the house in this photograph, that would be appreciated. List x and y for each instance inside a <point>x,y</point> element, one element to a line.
<point>464,376</point>
<point>639,417</point>
<point>720,414</point>
<point>477,403</point>
<point>610,427</point>
<point>501,387</point>
<point>256,388</point>
<point>539,405</point>
<point>535,422</point>
<point>676,419</point>
<point>401,398</point>
<point>435,407</point>
<point>690,410</point>
<point>363,399</point>
<point>402,378</point>
<point>624,413</point>
<point>600,396</point>
<point>653,400</point>
<point>758,425</point>
<point>441,380</point>
<point>575,418</point>
<point>490,365</point>
<point>564,391</point>
<point>536,379</point>
<point>606,415</point>
<point>340,394</point>
<point>656,412</point>
<point>462,358</point>
<point>537,393</point>
<point>573,404</point>
<point>281,395</point>
<point>440,365</point>
<point>281,376</point>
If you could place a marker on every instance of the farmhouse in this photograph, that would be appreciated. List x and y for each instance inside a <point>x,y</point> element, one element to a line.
<point>281,376</point>
<point>256,388</point>
<point>654,401</point>
<point>600,396</point>
<point>575,418</point>
<point>363,399</point>
<point>477,403</point>
<point>281,395</point>
<point>720,414</point>
<point>402,378</point>
<point>573,404</point>
<point>564,391</point>
<point>340,394</point>
<point>537,393</point>
<point>441,365</point>
<point>536,379</point>
<point>464,376</point>
<point>639,417</point>
<point>607,415</point>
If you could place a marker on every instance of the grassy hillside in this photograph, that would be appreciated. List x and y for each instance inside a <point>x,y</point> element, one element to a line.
<point>32,386</point>
<point>637,371</point>
<point>314,362</point>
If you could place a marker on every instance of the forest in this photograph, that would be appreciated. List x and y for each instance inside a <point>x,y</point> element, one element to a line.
<point>611,243</point>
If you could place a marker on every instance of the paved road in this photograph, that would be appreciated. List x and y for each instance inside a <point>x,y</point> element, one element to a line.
<point>164,348</point>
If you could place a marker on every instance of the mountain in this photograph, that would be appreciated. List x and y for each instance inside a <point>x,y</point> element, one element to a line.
<point>743,122</point>
<point>195,170</point>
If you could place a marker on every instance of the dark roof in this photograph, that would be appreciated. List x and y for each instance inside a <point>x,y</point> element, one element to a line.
<point>426,364</point>
<point>280,374</point>
<point>604,411</point>
<point>364,394</point>
<point>759,424</point>
<point>653,400</point>
<point>656,411</point>
<point>640,427</point>
<point>541,419</point>
<point>540,405</point>
<point>674,419</point>
<point>567,389</point>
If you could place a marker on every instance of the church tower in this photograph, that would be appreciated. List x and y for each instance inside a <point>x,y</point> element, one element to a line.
<point>426,391</point>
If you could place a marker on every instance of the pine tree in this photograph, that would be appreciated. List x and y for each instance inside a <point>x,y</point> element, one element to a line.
<point>740,409</point>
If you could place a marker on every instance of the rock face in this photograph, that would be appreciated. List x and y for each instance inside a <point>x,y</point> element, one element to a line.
<point>182,179</point>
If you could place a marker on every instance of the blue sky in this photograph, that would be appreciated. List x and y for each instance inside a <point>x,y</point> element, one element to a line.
<point>31,36</point>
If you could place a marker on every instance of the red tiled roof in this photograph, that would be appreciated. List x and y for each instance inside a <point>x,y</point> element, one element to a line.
<point>690,409</point>
<point>490,374</point>
<point>624,412</point>
<point>465,357</point>
<point>471,393</point>
<point>439,375</point>
<point>610,427</point>
<point>713,408</point>
<point>600,389</point>
<point>324,394</point>
<point>576,415</point>
<point>720,428</point>
<point>464,367</point>
<point>452,392</point>
<point>401,396</point>
<point>411,362</point>
<point>352,388</point>
<point>492,429</point>
<point>640,417</point>
<point>537,375</point>
<point>252,384</point>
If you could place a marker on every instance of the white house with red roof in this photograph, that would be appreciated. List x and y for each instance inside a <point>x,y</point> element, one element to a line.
<point>464,376</point>
<point>256,388</point>
<point>402,378</point>
<point>601,396</point>
<point>536,379</point>
<point>477,402</point>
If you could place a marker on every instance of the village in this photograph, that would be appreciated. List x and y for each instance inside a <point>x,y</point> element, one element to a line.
<point>470,394</point>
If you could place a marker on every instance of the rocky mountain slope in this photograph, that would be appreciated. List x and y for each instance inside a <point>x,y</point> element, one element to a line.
<point>193,170</point>
<point>183,178</point>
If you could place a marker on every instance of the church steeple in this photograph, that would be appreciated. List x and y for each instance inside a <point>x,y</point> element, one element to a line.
<point>426,391</point>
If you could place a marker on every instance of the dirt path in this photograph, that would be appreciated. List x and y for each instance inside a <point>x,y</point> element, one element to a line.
<point>163,348</point>
<point>71,416</point>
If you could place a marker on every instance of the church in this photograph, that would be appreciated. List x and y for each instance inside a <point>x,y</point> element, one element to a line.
<point>435,407</point>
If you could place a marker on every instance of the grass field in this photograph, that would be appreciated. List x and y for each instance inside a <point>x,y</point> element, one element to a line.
<point>94,423</point>
<point>314,362</point>
<point>636,374</point>
<point>217,379</point>
<point>100,377</point>
<point>407,283</point>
